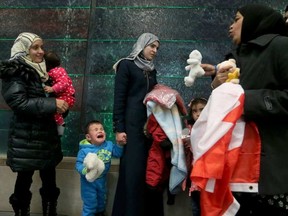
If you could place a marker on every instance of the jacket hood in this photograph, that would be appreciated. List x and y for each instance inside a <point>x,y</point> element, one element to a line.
<point>86,144</point>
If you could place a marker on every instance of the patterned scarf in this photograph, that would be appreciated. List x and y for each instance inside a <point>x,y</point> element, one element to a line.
<point>20,49</point>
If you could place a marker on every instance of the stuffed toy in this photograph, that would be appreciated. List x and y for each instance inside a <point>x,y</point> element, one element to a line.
<point>94,165</point>
<point>233,75</point>
<point>229,62</point>
<point>194,68</point>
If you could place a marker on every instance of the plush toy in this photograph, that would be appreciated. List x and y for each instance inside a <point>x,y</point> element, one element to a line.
<point>94,165</point>
<point>233,75</point>
<point>229,62</point>
<point>194,68</point>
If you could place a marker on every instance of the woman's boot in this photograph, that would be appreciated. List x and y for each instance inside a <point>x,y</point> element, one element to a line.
<point>49,201</point>
<point>21,206</point>
<point>100,214</point>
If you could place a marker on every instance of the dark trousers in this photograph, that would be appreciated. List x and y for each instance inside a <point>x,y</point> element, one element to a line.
<point>154,202</point>
<point>195,200</point>
<point>24,181</point>
<point>253,204</point>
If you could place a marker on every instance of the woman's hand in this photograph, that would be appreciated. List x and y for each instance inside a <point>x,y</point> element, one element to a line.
<point>62,106</point>
<point>121,138</point>
<point>220,78</point>
<point>209,69</point>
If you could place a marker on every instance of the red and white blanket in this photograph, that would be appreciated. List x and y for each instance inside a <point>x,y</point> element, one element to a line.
<point>226,152</point>
<point>167,106</point>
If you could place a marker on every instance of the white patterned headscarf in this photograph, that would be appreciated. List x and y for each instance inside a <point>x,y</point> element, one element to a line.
<point>144,40</point>
<point>20,49</point>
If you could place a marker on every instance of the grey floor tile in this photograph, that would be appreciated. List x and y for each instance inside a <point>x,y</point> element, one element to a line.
<point>12,214</point>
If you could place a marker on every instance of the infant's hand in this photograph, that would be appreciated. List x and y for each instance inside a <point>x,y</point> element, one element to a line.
<point>48,89</point>
<point>187,142</point>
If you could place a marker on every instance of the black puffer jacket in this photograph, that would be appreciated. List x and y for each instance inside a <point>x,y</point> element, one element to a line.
<point>33,140</point>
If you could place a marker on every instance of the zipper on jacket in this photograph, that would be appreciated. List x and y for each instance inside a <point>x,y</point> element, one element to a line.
<point>146,74</point>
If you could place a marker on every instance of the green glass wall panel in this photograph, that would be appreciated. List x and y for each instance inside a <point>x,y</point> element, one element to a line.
<point>91,35</point>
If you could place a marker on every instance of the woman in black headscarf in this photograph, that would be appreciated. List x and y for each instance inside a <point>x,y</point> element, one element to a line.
<point>260,35</point>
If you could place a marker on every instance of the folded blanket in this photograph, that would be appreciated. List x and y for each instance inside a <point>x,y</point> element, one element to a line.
<point>163,102</point>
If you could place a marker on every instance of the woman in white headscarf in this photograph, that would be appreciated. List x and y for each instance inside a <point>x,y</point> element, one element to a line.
<point>33,142</point>
<point>135,77</point>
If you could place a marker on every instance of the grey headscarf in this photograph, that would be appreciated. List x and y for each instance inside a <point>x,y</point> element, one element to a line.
<point>20,49</point>
<point>144,40</point>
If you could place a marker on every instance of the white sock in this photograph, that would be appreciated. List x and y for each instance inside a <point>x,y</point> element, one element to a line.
<point>60,129</point>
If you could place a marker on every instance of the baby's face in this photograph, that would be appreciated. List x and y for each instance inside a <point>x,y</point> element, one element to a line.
<point>96,134</point>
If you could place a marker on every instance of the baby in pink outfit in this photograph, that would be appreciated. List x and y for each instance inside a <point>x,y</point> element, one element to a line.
<point>62,85</point>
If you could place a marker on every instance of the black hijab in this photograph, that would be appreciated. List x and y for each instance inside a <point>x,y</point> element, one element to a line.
<point>260,20</point>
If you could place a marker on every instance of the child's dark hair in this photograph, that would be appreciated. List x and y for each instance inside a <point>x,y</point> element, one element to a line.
<point>192,103</point>
<point>87,126</point>
<point>52,60</point>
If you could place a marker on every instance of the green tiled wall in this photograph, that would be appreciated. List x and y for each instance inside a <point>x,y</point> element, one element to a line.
<point>92,35</point>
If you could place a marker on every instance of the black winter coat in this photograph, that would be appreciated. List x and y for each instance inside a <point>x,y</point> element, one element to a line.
<point>33,142</point>
<point>129,115</point>
<point>264,78</point>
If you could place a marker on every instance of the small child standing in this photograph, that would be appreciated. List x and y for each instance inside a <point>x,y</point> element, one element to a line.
<point>62,85</point>
<point>195,108</point>
<point>93,178</point>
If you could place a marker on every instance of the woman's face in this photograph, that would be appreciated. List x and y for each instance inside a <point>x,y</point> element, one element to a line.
<point>150,51</point>
<point>236,28</point>
<point>36,51</point>
<point>286,18</point>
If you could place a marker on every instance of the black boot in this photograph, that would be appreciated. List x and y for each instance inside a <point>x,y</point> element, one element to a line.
<point>21,206</point>
<point>100,214</point>
<point>49,201</point>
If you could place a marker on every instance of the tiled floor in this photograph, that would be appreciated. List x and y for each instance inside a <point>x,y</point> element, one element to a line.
<point>69,202</point>
<point>12,214</point>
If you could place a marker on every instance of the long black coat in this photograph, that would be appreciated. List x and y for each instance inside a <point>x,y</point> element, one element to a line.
<point>264,78</point>
<point>33,142</point>
<point>130,115</point>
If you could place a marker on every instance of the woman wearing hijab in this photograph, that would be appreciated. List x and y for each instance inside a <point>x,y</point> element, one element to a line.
<point>260,35</point>
<point>135,77</point>
<point>33,142</point>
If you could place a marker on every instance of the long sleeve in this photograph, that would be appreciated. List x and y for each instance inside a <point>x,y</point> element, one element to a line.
<point>117,151</point>
<point>120,97</point>
<point>23,99</point>
<point>267,99</point>
<point>60,79</point>
<point>81,169</point>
